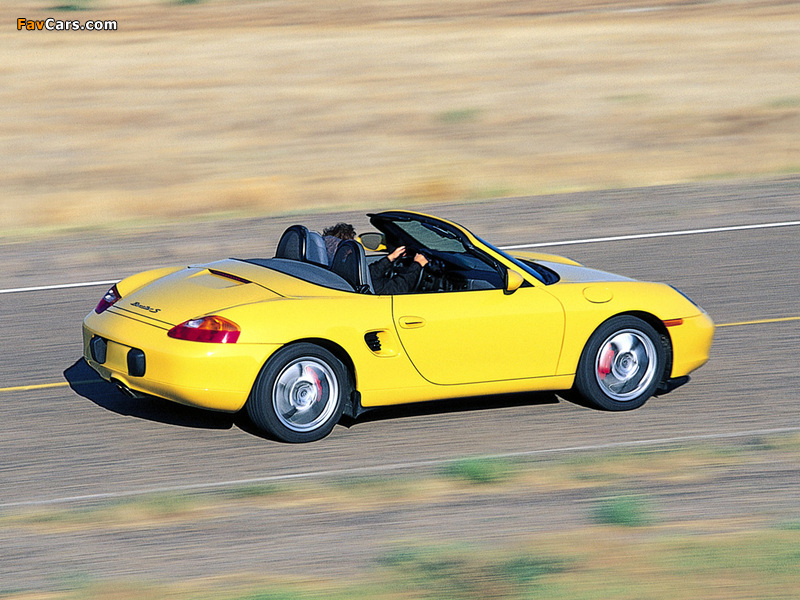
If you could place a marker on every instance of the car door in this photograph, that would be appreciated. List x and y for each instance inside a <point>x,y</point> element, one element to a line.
<point>481,335</point>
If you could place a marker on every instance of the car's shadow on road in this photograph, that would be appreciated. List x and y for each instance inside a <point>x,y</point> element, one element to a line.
<point>86,383</point>
<point>455,405</point>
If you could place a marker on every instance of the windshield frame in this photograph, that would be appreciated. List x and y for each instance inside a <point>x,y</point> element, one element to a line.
<point>517,262</point>
<point>396,235</point>
<point>387,223</point>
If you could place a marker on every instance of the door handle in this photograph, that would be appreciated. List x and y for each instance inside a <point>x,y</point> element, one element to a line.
<point>411,322</point>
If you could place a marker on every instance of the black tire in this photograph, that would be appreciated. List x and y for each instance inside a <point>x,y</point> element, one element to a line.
<point>621,365</point>
<point>299,394</point>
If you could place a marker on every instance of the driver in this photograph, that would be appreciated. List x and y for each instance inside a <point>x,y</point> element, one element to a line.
<point>387,281</point>
<point>334,234</point>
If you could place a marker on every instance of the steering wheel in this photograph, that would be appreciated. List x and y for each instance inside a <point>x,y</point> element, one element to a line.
<point>420,275</point>
<point>401,263</point>
<point>429,272</point>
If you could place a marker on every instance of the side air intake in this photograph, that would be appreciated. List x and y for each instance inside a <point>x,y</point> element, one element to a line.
<point>373,341</point>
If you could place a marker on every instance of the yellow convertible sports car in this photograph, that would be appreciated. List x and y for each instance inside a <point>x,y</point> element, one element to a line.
<point>298,341</point>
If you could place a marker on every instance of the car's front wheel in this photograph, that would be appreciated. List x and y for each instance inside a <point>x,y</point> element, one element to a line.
<point>299,394</point>
<point>622,364</point>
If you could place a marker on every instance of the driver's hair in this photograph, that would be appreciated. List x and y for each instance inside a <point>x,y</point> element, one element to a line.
<point>343,231</point>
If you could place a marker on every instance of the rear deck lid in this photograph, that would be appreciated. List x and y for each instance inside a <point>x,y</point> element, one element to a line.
<point>191,293</point>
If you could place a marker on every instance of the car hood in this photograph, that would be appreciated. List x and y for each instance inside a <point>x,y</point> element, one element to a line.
<point>580,274</point>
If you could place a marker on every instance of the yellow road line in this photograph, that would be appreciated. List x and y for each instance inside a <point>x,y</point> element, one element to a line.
<point>43,386</point>
<point>759,322</point>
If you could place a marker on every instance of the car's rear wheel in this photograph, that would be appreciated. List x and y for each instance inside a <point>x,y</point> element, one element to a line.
<point>299,394</point>
<point>622,364</point>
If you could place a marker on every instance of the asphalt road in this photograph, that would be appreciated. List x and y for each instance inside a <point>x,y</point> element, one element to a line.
<point>86,439</point>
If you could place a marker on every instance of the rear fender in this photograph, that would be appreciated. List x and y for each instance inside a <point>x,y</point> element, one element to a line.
<point>136,282</point>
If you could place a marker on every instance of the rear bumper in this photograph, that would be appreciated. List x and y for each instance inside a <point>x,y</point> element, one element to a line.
<point>142,358</point>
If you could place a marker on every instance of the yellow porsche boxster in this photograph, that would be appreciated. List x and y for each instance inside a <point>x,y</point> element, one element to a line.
<point>301,338</point>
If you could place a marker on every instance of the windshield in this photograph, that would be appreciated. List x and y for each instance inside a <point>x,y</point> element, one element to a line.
<point>418,231</point>
<point>428,235</point>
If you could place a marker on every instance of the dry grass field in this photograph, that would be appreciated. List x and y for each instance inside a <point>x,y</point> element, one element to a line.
<point>646,524</point>
<point>215,106</point>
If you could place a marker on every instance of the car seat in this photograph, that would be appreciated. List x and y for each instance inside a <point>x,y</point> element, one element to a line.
<point>298,243</point>
<point>350,263</point>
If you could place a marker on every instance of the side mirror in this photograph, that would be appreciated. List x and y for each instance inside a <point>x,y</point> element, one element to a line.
<point>372,241</point>
<point>513,281</point>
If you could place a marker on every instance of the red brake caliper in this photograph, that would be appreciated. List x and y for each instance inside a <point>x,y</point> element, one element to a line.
<point>317,383</point>
<point>604,368</point>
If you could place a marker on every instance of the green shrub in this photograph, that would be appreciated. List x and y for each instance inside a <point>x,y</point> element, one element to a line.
<point>467,573</point>
<point>479,470</point>
<point>628,511</point>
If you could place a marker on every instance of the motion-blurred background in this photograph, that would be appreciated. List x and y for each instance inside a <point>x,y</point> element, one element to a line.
<point>256,107</point>
<point>200,129</point>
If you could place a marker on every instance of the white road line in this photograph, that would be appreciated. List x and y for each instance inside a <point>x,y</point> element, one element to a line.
<point>62,286</point>
<point>616,238</point>
<point>641,236</point>
<point>199,487</point>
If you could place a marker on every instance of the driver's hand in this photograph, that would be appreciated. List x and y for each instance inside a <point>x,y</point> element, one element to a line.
<point>420,260</point>
<point>396,253</point>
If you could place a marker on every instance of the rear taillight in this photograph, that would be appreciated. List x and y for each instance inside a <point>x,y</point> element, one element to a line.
<point>213,330</point>
<point>111,298</point>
